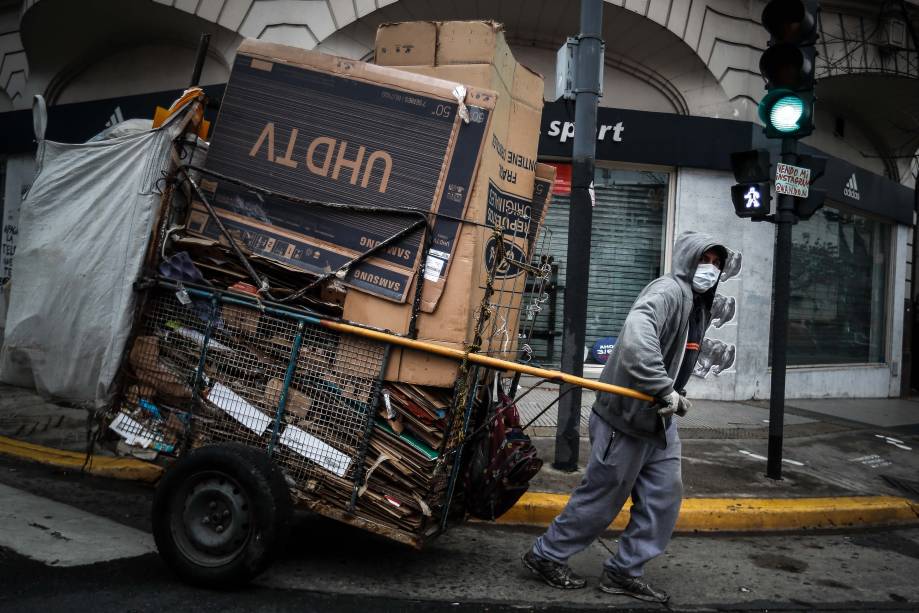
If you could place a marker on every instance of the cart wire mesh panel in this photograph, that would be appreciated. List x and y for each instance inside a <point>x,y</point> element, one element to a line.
<point>205,368</point>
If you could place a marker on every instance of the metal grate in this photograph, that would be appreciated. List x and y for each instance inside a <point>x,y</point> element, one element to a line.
<point>252,360</point>
<point>208,372</point>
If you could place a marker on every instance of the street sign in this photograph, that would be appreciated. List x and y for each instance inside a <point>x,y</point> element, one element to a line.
<point>792,180</point>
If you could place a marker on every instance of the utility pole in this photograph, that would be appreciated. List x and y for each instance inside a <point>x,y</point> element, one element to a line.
<point>587,92</point>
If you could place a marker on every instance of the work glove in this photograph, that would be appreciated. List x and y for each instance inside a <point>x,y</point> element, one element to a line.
<point>674,403</point>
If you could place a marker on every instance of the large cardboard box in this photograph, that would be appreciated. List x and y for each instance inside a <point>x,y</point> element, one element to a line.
<point>323,128</point>
<point>476,54</point>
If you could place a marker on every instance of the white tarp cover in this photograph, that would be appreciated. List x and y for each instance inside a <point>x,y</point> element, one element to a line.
<point>85,225</point>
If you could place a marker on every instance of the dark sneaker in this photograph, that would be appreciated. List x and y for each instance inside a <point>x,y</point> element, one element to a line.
<point>631,586</point>
<point>557,575</point>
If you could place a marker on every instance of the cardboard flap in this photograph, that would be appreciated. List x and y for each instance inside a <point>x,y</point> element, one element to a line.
<point>264,54</point>
<point>410,43</point>
<point>528,86</point>
<point>471,42</point>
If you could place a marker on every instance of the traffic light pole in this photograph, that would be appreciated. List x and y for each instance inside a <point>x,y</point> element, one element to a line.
<point>784,220</point>
<point>587,87</point>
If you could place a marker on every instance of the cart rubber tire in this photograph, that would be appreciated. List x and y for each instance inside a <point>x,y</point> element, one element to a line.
<point>220,515</point>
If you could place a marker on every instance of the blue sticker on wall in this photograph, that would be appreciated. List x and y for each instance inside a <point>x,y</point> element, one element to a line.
<point>602,348</point>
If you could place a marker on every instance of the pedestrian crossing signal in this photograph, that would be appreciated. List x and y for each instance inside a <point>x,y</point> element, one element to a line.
<point>751,199</point>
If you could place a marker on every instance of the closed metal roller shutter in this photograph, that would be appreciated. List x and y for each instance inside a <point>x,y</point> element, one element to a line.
<point>626,242</point>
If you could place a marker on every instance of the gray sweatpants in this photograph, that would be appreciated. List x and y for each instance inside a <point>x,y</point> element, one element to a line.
<point>620,465</point>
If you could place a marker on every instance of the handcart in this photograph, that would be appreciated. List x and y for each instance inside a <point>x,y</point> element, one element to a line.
<point>263,401</point>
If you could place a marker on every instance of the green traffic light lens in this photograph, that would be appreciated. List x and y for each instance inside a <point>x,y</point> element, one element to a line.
<point>785,113</point>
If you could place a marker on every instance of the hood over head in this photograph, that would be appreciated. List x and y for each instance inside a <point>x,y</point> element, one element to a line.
<point>687,249</point>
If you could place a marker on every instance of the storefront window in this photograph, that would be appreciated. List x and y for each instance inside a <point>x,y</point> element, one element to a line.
<point>839,265</point>
<point>625,242</point>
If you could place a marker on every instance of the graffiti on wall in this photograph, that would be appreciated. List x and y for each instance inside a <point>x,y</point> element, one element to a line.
<point>723,310</point>
<point>717,356</point>
<point>732,266</point>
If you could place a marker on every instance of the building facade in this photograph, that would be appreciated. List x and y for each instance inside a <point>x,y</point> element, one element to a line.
<point>681,86</point>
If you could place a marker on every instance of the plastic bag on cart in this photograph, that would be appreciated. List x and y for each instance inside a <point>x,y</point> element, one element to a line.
<point>502,462</point>
<point>85,227</point>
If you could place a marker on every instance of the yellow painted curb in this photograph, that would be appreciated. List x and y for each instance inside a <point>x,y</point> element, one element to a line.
<point>743,514</point>
<point>102,466</point>
<point>539,509</point>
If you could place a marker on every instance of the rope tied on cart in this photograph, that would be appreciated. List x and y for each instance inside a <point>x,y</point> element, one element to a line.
<point>482,316</point>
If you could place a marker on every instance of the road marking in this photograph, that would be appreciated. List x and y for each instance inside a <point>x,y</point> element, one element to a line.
<point>756,456</point>
<point>894,441</point>
<point>873,460</point>
<point>61,535</point>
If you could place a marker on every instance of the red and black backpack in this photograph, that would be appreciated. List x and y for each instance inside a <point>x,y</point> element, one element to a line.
<point>502,461</point>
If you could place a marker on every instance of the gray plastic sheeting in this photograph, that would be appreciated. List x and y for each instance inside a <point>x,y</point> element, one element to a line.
<point>85,226</point>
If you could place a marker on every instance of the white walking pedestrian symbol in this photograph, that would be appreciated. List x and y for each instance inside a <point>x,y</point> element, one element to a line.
<point>752,198</point>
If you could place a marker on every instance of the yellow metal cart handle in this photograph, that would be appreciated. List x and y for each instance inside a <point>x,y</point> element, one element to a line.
<point>484,360</point>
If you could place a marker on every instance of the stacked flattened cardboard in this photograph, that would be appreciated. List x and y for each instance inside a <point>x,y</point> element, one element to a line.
<point>403,481</point>
<point>452,133</point>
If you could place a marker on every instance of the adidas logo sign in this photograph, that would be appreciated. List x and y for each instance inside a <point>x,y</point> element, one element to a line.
<point>851,188</point>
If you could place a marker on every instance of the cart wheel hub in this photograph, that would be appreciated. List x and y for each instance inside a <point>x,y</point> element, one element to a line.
<point>215,517</point>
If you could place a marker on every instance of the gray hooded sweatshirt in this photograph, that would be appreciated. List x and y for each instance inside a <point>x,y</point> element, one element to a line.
<point>650,348</point>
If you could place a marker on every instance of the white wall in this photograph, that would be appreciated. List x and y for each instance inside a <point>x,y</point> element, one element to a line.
<point>855,147</point>
<point>703,204</point>
<point>901,270</point>
<point>621,90</point>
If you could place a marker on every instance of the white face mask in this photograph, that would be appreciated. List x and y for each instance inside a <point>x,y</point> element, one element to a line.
<point>705,278</point>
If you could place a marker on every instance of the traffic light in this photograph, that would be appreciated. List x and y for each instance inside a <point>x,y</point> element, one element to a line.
<point>751,194</point>
<point>787,65</point>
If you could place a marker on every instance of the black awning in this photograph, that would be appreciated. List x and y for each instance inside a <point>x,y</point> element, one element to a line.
<point>80,121</point>
<point>666,139</point>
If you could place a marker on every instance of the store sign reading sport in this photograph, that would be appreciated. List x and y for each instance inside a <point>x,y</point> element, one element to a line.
<point>564,130</point>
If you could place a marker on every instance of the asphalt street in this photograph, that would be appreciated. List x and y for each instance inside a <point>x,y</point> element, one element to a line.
<point>476,567</point>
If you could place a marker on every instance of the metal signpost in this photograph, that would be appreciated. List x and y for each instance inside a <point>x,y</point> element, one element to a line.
<point>588,66</point>
<point>787,112</point>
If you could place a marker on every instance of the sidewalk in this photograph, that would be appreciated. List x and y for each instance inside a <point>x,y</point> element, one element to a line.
<point>832,447</point>
<point>846,462</point>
